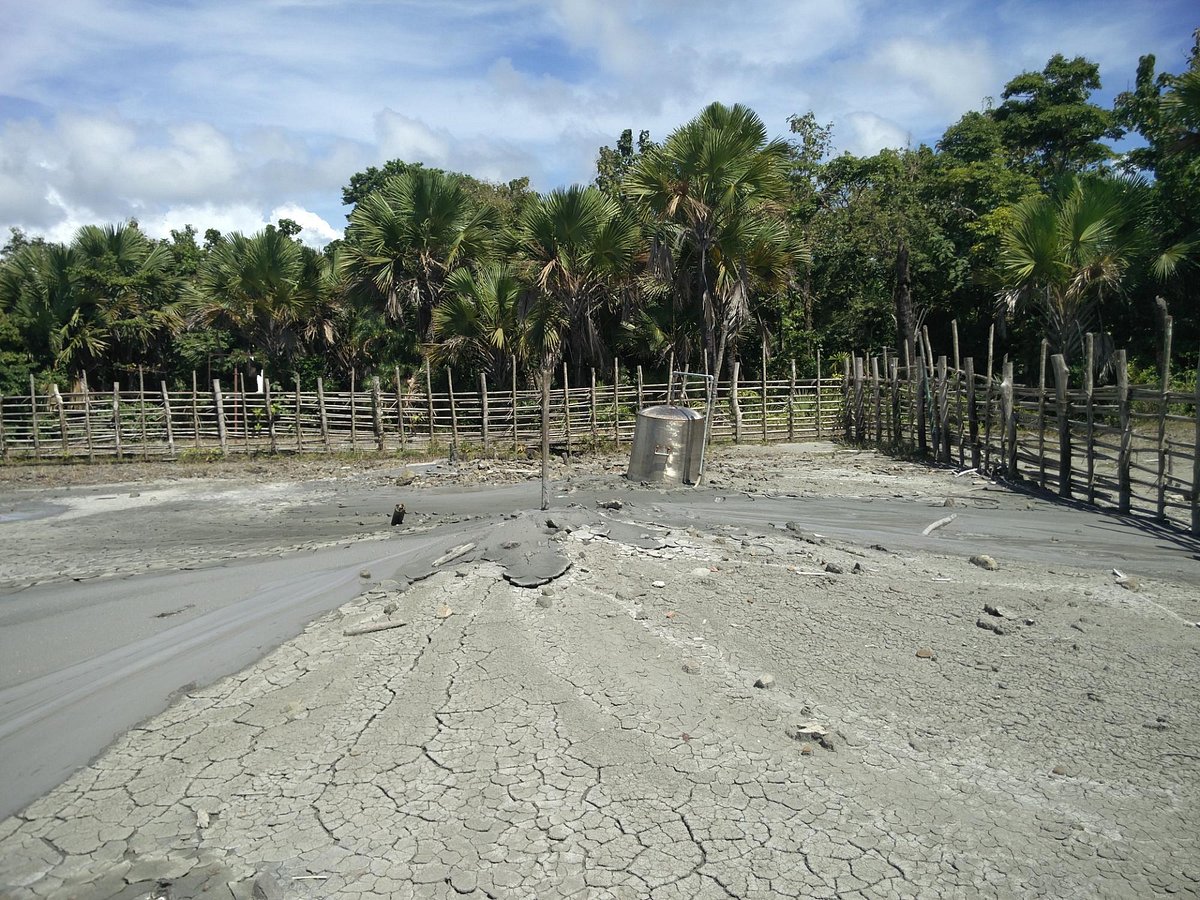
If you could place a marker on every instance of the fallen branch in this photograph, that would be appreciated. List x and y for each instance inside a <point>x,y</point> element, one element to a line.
<point>965,472</point>
<point>934,526</point>
<point>378,626</point>
<point>453,553</point>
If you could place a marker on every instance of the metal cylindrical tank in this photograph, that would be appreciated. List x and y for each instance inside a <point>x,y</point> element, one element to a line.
<point>668,443</point>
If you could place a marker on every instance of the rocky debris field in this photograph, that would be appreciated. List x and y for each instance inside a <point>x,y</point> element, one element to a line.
<point>688,710</point>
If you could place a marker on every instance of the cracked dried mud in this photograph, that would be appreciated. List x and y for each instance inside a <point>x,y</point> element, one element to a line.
<point>599,734</point>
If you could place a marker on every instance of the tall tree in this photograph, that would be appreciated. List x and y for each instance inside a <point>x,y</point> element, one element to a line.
<point>404,239</point>
<point>1049,123</point>
<point>718,187</point>
<point>583,249</point>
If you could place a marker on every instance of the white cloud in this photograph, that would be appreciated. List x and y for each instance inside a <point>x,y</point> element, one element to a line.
<point>317,232</point>
<point>866,133</point>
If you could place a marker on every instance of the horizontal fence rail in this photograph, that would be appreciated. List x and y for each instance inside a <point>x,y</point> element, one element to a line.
<point>406,414</point>
<point>1133,448</point>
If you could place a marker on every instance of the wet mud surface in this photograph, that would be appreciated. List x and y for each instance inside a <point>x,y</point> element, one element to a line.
<point>564,703</point>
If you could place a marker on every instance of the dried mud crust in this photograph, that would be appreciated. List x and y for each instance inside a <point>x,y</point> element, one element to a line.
<point>603,737</point>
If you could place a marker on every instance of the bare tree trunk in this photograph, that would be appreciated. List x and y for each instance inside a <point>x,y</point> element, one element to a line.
<point>902,295</point>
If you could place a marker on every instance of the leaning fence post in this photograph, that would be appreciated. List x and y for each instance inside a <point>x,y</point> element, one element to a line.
<point>1165,391</point>
<point>1063,407</point>
<point>166,401</point>
<point>218,404</point>
<point>1124,454</point>
<point>324,419</point>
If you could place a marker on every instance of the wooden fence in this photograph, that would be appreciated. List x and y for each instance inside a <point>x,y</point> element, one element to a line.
<point>1134,448</point>
<point>154,422</point>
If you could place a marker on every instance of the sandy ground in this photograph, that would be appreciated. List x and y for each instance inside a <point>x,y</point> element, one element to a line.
<point>774,686</point>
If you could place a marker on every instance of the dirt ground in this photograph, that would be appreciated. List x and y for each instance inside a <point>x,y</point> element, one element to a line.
<point>773,686</point>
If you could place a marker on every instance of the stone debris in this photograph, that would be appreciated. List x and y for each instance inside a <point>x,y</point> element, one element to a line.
<point>985,562</point>
<point>659,583</point>
<point>610,504</point>
<point>998,611</point>
<point>765,682</point>
<point>364,574</point>
<point>690,666</point>
<point>811,732</point>
<point>858,569</point>
<point>925,653</point>
<point>444,612</point>
<point>834,569</point>
<point>991,625</point>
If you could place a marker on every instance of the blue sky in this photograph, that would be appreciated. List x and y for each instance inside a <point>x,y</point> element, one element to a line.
<point>233,113</point>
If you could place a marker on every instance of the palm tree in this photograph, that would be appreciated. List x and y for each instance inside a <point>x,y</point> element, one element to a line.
<point>405,239</point>
<point>583,250</point>
<point>716,187</point>
<point>490,317</point>
<point>266,288</point>
<point>1066,253</point>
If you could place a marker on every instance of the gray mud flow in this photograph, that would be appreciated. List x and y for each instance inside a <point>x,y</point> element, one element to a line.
<point>81,661</point>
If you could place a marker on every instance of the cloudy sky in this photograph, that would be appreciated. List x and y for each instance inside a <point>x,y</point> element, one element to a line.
<point>233,113</point>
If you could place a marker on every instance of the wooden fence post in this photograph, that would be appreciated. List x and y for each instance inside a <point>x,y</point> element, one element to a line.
<point>453,410</point>
<point>791,414</point>
<point>483,410</point>
<point>376,412</point>
<point>763,381</point>
<point>195,411</point>
<point>322,414</point>
<point>987,400</point>
<point>1196,458</point>
<point>972,411</point>
<point>595,422</point>
<point>567,408</point>
<point>860,423</point>
<point>1161,506</point>
<point>1125,453</point>
<point>142,409</point>
<point>116,414</point>
<point>894,426</point>
<point>399,406</point>
<point>735,406</point>
<point>429,400</point>
<point>218,405</point>
<point>1010,421</point>
<point>166,402</point>
<point>943,411</point>
<point>545,385</point>
<point>847,399</point>
<point>818,392</point>
<point>1042,414</point>
<point>514,402</point>
<point>87,419</point>
<point>922,407</point>
<point>671,376</point>
<point>37,441</point>
<point>641,400</point>
<point>353,417</point>
<point>3,439</point>
<point>1089,374</point>
<point>299,432</point>
<point>1062,399</point>
<point>62,421</point>
<point>616,403</point>
<point>876,403</point>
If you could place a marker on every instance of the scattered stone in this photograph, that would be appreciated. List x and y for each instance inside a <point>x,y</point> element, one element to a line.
<point>834,569</point>
<point>998,611</point>
<point>640,614</point>
<point>658,584</point>
<point>1030,622</point>
<point>985,562</point>
<point>988,625</point>
<point>365,573</point>
<point>444,612</point>
<point>792,526</point>
<point>510,545</point>
<point>1061,770</point>
<point>267,887</point>
<point>1078,626</point>
<point>1159,724</point>
<point>879,547</point>
<point>389,608</point>
<point>1094,697</point>
<point>545,602</point>
<point>690,666</point>
<point>925,653</point>
<point>1130,583</point>
<point>949,501</point>
<point>553,524</point>
<point>610,504</point>
<point>806,749</point>
<point>812,733</point>
<point>765,682</point>
<point>464,881</point>
<point>858,569</point>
